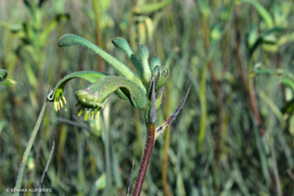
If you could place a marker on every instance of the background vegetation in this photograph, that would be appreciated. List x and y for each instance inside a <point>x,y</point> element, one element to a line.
<point>234,135</point>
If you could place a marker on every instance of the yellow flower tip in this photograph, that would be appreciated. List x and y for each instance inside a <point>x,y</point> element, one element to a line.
<point>86,115</point>
<point>92,114</point>
<point>58,106</point>
<point>80,111</point>
<point>54,105</point>
<point>97,115</point>
<point>61,104</point>
<point>64,100</point>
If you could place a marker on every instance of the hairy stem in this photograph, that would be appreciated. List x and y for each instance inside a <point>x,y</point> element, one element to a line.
<point>145,160</point>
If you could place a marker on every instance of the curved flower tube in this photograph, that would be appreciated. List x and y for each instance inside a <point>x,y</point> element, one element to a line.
<point>56,95</point>
<point>107,85</point>
<point>70,40</point>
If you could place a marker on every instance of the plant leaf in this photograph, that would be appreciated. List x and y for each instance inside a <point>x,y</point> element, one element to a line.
<point>151,7</point>
<point>49,28</point>
<point>262,11</point>
<point>163,127</point>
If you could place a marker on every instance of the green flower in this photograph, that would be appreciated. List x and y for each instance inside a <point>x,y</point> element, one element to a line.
<point>129,86</point>
<point>90,103</point>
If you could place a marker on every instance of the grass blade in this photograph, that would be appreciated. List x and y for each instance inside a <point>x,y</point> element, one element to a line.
<point>28,149</point>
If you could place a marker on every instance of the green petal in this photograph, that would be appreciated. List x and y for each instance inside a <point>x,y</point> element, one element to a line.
<point>107,85</point>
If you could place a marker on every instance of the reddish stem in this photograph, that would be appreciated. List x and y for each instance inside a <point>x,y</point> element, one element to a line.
<point>248,88</point>
<point>145,160</point>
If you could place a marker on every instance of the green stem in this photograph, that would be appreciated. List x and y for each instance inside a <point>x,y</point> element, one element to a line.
<point>166,144</point>
<point>28,149</point>
<point>107,155</point>
<point>99,39</point>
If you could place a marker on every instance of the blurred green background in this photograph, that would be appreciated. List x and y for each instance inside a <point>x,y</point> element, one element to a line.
<point>234,135</point>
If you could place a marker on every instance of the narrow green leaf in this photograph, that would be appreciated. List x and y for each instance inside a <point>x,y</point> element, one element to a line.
<point>262,12</point>
<point>289,83</point>
<point>46,169</point>
<point>151,7</point>
<point>49,28</point>
<point>163,127</point>
<point>202,97</point>
<point>101,182</point>
<point>277,112</point>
